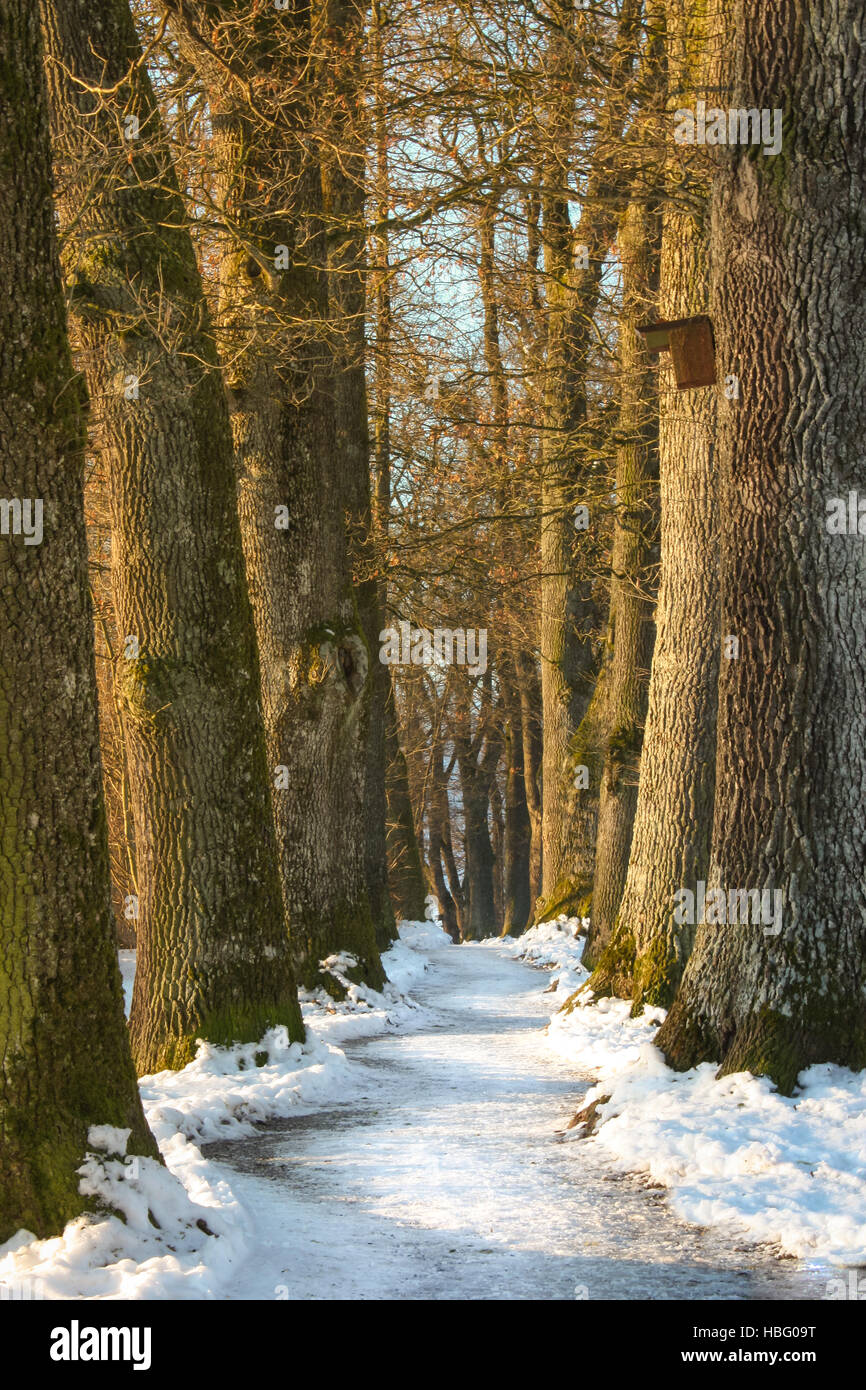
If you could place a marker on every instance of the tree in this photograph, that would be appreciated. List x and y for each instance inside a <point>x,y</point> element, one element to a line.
<point>673,820</point>
<point>478,747</point>
<point>569,614</point>
<point>67,1063</point>
<point>631,629</point>
<point>778,990</point>
<point>406,884</point>
<point>634,558</point>
<point>405,870</point>
<point>213,950</point>
<point>340,102</point>
<point>286,342</point>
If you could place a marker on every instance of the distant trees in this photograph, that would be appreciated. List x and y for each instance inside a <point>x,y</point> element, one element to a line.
<point>66,1058</point>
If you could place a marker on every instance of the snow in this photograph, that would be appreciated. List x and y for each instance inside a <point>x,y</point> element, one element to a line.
<point>201,1232</point>
<point>365,1012</point>
<point>733,1153</point>
<point>445,1176</point>
<point>557,946</point>
<point>416,1146</point>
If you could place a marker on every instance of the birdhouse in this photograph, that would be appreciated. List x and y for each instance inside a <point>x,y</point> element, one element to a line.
<point>690,344</point>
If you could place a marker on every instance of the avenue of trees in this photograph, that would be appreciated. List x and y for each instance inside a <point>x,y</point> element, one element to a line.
<point>378,557</point>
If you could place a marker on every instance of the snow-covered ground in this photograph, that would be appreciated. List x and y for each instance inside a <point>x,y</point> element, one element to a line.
<point>417,1148</point>
<point>181,1232</point>
<point>733,1153</point>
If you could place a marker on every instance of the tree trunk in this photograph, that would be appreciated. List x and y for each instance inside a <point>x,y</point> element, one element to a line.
<point>214,959</point>
<point>477,756</point>
<point>340,91</point>
<point>529,688</point>
<point>635,534</point>
<point>512,856</point>
<point>66,1059</point>
<point>297,477</point>
<point>406,884</point>
<point>573,893</point>
<point>787,989</point>
<point>440,840</point>
<point>447,905</point>
<point>517,835</point>
<point>478,877</point>
<point>673,820</point>
<point>405,870</point>
<point>568,612</point>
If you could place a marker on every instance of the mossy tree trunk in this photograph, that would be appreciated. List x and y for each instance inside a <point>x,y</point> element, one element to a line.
<point>66,1057</point>
<point>214,958</point>
<point>573,893</point>
<point>297,476</point>
<point>788,246</point>
<point>634,551</point>
<point>670,845</point>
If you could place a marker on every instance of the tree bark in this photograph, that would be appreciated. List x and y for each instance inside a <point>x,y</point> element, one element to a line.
<point>478,753</point>
<point>788,240</point>
<point>66,1058</point>
<point>529,689</point>
<point>214,959</point>
<point>634,556</point>
<point>441,847</point>
<point>406,884</point>
<point>297,478</point>
<point>405,870</point>
<point>340,94</point>
<point>517,900</point>
<point>673,820</point>
<point>568,612</point>
<point>512,881</point>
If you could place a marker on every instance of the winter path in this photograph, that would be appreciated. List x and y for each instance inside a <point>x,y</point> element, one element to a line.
<point>443,1177</point>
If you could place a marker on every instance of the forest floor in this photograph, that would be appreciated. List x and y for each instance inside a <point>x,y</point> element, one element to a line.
<point>446,1175</point>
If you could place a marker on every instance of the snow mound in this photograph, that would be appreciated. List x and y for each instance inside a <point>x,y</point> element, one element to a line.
<point>177,1231</point>
<point>423,936</point>
<point>734,1153</point>
<point>364,1011</point>
<point>173,1236</point>
<point>226,1090</point>
<point>557,946</point>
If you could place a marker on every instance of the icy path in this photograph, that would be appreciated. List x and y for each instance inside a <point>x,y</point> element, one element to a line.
<point>444,1177</point>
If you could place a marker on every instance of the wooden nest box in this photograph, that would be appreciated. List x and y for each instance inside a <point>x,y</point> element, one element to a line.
<point>690,344</point>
